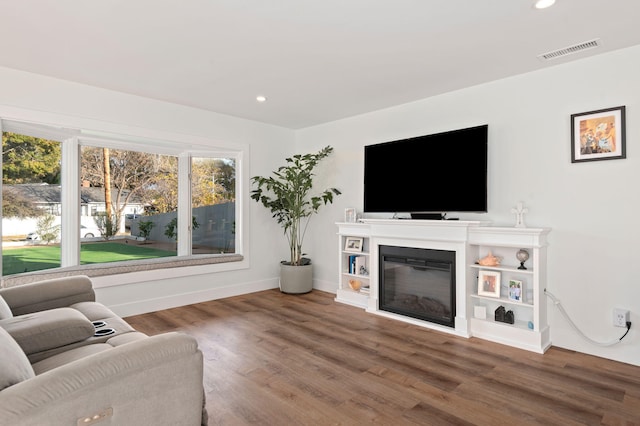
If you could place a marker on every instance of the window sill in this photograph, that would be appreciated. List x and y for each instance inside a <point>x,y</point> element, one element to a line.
<point>116,268</point>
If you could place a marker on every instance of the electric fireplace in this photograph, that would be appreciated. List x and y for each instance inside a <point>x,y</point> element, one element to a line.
<point>418,283</point>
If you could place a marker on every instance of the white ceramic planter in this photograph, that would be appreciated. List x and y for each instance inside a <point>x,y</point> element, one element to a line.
<point>296,279</point>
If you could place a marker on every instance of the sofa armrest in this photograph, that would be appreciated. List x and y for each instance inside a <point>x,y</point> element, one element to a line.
<point>45,330</point>
<point>48,294</point>
<point>153,381</point>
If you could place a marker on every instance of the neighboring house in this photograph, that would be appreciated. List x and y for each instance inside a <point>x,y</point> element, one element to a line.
<point>48,197</point>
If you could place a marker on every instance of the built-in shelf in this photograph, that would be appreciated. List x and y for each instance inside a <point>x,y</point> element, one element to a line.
<point>502,300</point>
<point>503,268</point>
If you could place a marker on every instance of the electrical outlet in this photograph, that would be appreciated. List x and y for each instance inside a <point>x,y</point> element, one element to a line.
<point>620,317</point>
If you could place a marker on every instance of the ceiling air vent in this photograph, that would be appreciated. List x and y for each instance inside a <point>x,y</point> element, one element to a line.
<point>570,50</point>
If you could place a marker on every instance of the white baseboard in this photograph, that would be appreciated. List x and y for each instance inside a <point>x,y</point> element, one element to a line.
<point>328,286</point>
<point>175,300</point>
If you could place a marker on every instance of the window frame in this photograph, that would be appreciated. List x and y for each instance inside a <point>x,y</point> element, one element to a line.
<point>183,147</point>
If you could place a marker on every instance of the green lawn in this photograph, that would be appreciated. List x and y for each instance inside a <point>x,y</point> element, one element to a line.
<point>37,258</point>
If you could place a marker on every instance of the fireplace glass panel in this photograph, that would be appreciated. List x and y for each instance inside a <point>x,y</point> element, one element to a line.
<point>419,283</point>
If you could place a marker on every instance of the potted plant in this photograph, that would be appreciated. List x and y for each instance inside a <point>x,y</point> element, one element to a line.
<point>287,194</point>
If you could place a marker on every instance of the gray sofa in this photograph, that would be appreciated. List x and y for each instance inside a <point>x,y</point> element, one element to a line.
<point>66,359</point>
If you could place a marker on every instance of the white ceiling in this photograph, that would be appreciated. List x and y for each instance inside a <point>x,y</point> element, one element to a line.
<point>315,60</point>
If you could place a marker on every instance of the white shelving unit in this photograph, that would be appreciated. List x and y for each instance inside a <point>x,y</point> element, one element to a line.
<point>471,241</point>
<point>345,293</point>
<point>530,330</point>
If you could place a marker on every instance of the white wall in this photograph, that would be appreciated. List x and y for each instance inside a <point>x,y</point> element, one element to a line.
<point>25,96</point>
<point>591,207</point>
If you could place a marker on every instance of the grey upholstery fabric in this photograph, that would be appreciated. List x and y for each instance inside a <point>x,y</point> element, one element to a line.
<point>69,356</point>
<point>83,351</point>
<point>49,294</point>
<point>137,379</point>
<point>14,365</point>
<point>154,381</point>
<point>5,310</point>
<point>49,329</point>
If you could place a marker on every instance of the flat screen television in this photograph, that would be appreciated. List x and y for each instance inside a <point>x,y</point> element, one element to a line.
<point>428,176</point>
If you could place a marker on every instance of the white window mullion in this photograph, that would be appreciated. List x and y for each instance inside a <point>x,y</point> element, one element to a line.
<point>184,205</point>
<point>70,202</point>
<point>1,180</point>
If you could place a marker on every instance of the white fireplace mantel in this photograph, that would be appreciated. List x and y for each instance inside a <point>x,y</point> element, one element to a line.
<point>469,240</point>
<point>449,235</point>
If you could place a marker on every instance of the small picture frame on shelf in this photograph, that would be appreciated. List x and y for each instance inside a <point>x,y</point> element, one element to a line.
<point>353,244</point>
<point>350,215</point>
<point>516,291</point>
<point>489,284</point>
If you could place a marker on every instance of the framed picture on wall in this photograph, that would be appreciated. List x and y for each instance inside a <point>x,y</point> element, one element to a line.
<point>489,284</point>
<point>598,135</point>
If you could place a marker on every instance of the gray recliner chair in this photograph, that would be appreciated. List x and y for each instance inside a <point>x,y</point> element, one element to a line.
<point>66,359</point>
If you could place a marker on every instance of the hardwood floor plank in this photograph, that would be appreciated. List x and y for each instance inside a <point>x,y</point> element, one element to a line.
<point>277,359</point>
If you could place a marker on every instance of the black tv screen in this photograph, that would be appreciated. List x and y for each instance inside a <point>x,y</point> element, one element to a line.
<point>436,173</point>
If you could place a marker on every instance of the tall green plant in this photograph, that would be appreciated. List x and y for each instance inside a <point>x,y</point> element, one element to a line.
<point>145,227</point>
<point>46,230</point>
<point>108,225</point>
<point>287,195</point>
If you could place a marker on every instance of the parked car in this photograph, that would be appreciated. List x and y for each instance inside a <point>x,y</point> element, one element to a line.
<point>89,232</point>
<point>85,232</point>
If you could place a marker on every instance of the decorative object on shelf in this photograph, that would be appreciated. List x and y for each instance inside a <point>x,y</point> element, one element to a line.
<point>519,210</point>
<point>480,312</point>
<point>286,194</point>
<point>509,318</point>
<point>530,325</point>
<point>350,215</point>
<point>357,264</point>
<point>502,315</point>
<point>363,270</point>
<point>598,135</point>
<point>489,284</point>
<point>515,290</point>
<point>353,244</point>
<point>522,255</point>
<point>489,260</point>
<point>355,285</point>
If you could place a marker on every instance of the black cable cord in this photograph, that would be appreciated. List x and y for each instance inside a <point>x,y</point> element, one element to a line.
<point>628,328</point>
<point>558,304</point>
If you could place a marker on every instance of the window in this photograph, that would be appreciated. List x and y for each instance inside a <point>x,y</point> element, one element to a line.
<point>31,209</point>
<point>213,196</point>
<point>134,196</point>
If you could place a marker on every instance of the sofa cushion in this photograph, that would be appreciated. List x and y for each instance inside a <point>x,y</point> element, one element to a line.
<point>5,310</point>
<point>14,365</point>
<point>80,352</point>
<point>45,330</point>
<point>69,356</point>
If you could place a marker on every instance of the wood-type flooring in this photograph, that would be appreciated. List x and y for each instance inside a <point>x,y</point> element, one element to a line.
<point>277,359</point>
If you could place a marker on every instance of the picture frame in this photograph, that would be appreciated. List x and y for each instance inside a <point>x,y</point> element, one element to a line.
<point>516,291</point>
<point>489,284</point>
<point>350,215</point>
<point>353,244</point>
<point>598,135</point>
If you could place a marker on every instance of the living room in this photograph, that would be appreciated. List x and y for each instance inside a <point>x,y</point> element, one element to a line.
<point>590,207</point>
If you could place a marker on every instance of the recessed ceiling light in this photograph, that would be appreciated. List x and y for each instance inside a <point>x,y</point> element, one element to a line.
<point>543,4</point>
<point>261,98</point>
